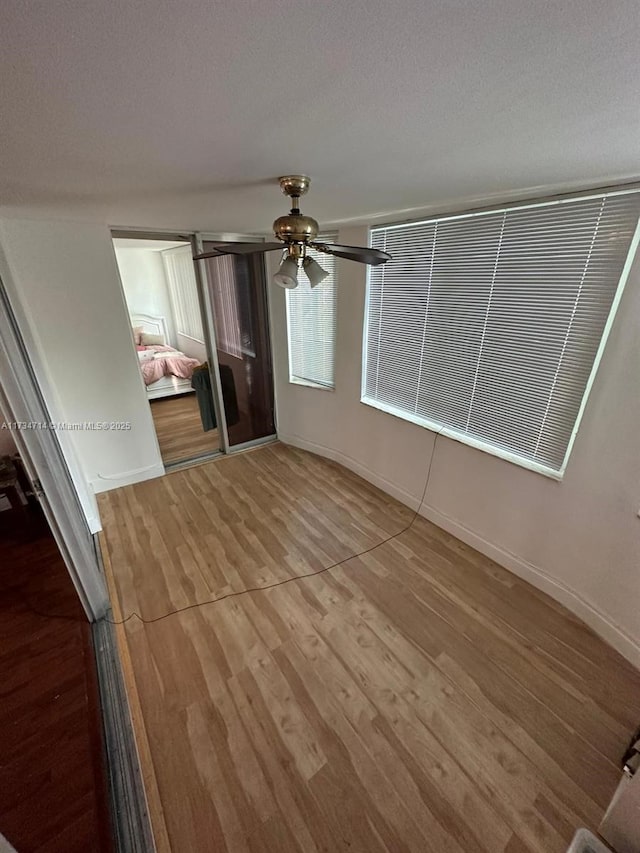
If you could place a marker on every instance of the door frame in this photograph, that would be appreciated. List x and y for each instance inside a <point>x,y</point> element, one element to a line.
<point>22,401</point>
<point>208,327</point>
<point>187,237</point>
<point>208,313</point>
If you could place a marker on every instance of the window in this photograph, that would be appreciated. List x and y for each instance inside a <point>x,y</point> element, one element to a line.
<point>223,275</point>
<point>183,291</point>
<point>487,325</point>
<point>311,325</point>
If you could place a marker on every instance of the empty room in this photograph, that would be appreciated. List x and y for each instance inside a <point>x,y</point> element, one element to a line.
<point>319,358</point>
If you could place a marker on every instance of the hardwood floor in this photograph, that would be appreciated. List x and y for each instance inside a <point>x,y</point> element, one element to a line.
<point>417,698</point>
<point>179,428</point>
<point>53,796</point>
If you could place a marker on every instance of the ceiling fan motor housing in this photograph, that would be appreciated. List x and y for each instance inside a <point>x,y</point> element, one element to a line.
<point>295,227</point>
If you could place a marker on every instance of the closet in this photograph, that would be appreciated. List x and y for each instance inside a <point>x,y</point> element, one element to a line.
<point>200,330</point>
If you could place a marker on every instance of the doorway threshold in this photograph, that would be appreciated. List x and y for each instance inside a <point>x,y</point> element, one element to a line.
<point>192,461</point>
<point>251,445</point>
<point>218,454</point>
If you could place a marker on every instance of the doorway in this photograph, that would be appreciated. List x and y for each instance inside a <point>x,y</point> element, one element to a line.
<point>215,314</point>
<point>161,292</point>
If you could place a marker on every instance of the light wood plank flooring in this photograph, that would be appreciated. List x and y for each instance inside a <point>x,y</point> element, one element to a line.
<point>418,698</point>
<point>179,428</point>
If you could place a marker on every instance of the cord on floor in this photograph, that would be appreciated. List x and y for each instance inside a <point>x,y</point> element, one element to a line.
<point>135,615</point>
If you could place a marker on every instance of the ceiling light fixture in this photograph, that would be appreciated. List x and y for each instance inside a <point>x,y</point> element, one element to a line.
<point>287,275</point>
<point>314,271</point>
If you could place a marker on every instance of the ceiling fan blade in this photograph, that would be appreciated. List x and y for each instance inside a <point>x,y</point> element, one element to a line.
<point>222,248</point>
<point>361,254</point>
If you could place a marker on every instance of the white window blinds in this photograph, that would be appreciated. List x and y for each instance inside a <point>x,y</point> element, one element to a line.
<point>311,325</point>
<point>488,325</point>
<point>183,292</point>
<point>225,305</point>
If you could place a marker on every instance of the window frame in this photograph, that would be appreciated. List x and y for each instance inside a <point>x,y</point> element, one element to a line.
<point>451,432</point>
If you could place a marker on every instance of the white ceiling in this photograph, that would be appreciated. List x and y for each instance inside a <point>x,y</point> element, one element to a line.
<point>165,114</point>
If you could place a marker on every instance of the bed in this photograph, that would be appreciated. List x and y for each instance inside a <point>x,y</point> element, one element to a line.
<point>166,371</point>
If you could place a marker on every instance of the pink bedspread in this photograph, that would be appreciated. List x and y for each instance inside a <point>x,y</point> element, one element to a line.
<point>166,365</point>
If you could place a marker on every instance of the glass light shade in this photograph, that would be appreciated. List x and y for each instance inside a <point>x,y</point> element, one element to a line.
<point>314,271</point>
<point>287,275</point>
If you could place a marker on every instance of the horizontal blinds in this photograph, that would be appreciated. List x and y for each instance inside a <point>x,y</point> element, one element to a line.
<point>228,323</point>
<point>183,290</point>
<point>311,322</point>
<point>489,323</point>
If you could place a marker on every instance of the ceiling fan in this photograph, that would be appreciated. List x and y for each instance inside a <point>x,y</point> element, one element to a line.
<point>298,233</point>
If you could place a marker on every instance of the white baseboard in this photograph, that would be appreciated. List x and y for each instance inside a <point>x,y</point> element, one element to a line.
<point>573,601</point>
<point>127,478</point>
<point>94,524</point>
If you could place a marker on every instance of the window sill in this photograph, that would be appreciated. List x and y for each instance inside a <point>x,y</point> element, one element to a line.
<point>469,440</point>
<point>308,384</point>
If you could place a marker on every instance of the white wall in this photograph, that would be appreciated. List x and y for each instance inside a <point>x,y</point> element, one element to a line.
<point>62,275</point>
<point>145,285</point>
<point>578,539</point>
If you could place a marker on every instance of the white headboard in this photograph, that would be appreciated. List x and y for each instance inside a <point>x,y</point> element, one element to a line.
<point>151,324</point>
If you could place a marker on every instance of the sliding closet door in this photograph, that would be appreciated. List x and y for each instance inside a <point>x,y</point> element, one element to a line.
<point>237,291</point>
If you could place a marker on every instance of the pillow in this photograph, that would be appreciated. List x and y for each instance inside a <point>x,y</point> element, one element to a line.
<point>145,355</point>
<point>137,334</point>
<point>151,340</point>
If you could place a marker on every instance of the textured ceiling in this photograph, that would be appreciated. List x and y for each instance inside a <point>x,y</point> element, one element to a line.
<point>167,114</point>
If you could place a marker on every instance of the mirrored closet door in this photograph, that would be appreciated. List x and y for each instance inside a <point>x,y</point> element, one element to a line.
<point>235,291</point>
<point>168,334</point>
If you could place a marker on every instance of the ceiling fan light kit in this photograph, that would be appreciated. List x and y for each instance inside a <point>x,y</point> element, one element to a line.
<point>314,271</point>
<point>287,275</point>
<point>298,233</point>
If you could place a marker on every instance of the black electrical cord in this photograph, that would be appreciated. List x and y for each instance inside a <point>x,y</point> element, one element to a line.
<point>240,592</point>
